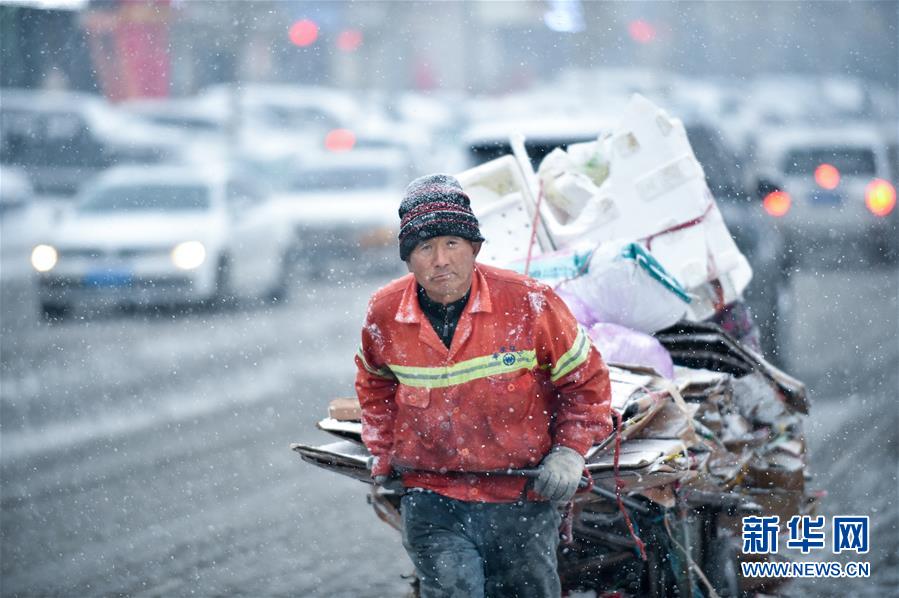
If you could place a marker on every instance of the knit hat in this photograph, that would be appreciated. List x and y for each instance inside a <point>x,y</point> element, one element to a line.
<point>435,205</point>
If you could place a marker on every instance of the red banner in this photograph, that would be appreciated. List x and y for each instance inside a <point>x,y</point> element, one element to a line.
<point>129,48</point>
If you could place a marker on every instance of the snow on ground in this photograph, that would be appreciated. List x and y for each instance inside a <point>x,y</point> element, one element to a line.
<point>147,453</point>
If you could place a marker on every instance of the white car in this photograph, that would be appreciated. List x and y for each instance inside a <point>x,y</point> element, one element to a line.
<point>161,235</point>
<point>836,185</point>
<point>343,207</point>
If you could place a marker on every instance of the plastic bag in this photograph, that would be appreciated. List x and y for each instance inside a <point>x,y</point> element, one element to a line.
<point>627,286</point>
<point>556,267</point>
<point>580,310</point>
<point>618,344</point>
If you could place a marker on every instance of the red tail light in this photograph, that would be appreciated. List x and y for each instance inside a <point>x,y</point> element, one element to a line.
<point>303,33</point>
<point>340,140</point>
<point>827,176</point>
<point>777,203</point>
<point>880,197</point>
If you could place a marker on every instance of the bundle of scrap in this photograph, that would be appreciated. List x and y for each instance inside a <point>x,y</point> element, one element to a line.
<point>723,438</point>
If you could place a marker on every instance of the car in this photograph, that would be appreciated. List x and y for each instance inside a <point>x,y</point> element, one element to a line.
<point>776,102</point>
<point>161,235</point>
<point>342,207</point>
<point>736,192</point>
<point>285,112</point>
<point>837,188</point>
<point>61,139</point>
<point>16,190</point>
<point>205,133</point>
<point>16,222</point>
<point>283,105</point>
<point>184,118</point>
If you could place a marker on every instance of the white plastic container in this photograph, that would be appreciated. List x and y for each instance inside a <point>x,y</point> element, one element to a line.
<point>500,199</point>
<point>655,194</point>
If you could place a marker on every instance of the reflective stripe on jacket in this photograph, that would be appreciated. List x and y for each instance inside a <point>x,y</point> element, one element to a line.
<point>520,377</point>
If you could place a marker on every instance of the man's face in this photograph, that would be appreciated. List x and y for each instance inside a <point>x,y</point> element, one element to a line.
<point>443,266</point>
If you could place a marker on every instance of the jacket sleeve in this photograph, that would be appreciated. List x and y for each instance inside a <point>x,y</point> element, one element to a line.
<point>376,389</point>
<point>583,410</point>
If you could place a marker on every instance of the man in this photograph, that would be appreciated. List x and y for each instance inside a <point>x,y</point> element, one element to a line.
<point>466,370</point>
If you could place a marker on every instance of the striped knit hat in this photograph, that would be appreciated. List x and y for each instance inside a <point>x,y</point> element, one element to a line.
<point>435,206</point>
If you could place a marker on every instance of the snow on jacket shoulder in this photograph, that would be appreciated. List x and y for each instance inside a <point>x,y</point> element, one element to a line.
<point>520,377</point>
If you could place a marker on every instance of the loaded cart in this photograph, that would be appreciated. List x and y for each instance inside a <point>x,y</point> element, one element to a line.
<point>688,458</point>
<point>706,430</point>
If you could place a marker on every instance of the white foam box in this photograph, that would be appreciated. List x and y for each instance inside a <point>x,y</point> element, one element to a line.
<point>656,184</point>
<point>499,198</point>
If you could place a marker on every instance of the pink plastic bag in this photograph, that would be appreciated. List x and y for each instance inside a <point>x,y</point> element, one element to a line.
<point>618,344</point>
<point>580,310</point>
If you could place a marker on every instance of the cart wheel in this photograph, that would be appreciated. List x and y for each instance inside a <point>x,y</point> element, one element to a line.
<point>414,585</point>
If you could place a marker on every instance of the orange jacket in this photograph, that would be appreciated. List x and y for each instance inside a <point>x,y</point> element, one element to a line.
<point>520,377</point>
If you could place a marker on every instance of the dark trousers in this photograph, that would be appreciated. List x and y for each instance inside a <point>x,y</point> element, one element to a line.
<point>479,550</point>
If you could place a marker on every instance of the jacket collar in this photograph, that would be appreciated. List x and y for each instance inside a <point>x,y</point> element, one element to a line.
<point>409,311</point>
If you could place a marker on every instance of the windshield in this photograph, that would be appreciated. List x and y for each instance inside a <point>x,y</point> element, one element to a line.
<point>200,125</point>
<point>52,138</point>
<point>147,198</point>
<point>848,160</point>
<point>295,117</point>
<point>537,149</point>
<point>342,179</point>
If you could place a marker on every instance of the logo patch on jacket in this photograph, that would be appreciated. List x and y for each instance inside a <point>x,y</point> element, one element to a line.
<point>509,357</point>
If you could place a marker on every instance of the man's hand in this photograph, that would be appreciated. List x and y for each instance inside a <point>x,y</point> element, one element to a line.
<point>560,474</point>
<point>382,475</point>
<point>389,483</point>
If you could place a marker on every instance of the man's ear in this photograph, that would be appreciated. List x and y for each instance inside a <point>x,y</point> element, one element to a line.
<point>476,245</point>
<point>408,265</point>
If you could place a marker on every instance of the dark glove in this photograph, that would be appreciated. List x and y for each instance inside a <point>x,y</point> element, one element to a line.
<point>560,474</point>
<point>382,474</point>
<point>389,483</point>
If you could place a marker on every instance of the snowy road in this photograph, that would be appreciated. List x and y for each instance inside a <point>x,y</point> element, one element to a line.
<point>147,454</point>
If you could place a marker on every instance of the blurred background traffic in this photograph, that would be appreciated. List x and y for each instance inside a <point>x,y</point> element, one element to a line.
<point>197,197</point>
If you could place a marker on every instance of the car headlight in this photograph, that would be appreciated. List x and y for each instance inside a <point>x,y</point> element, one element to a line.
<point>44,257</point>
<point>188,255</point>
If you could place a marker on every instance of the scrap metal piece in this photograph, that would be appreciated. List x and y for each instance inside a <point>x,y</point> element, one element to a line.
<point>706,345</point>
<point>344,457</point>
<point>347,430</point>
